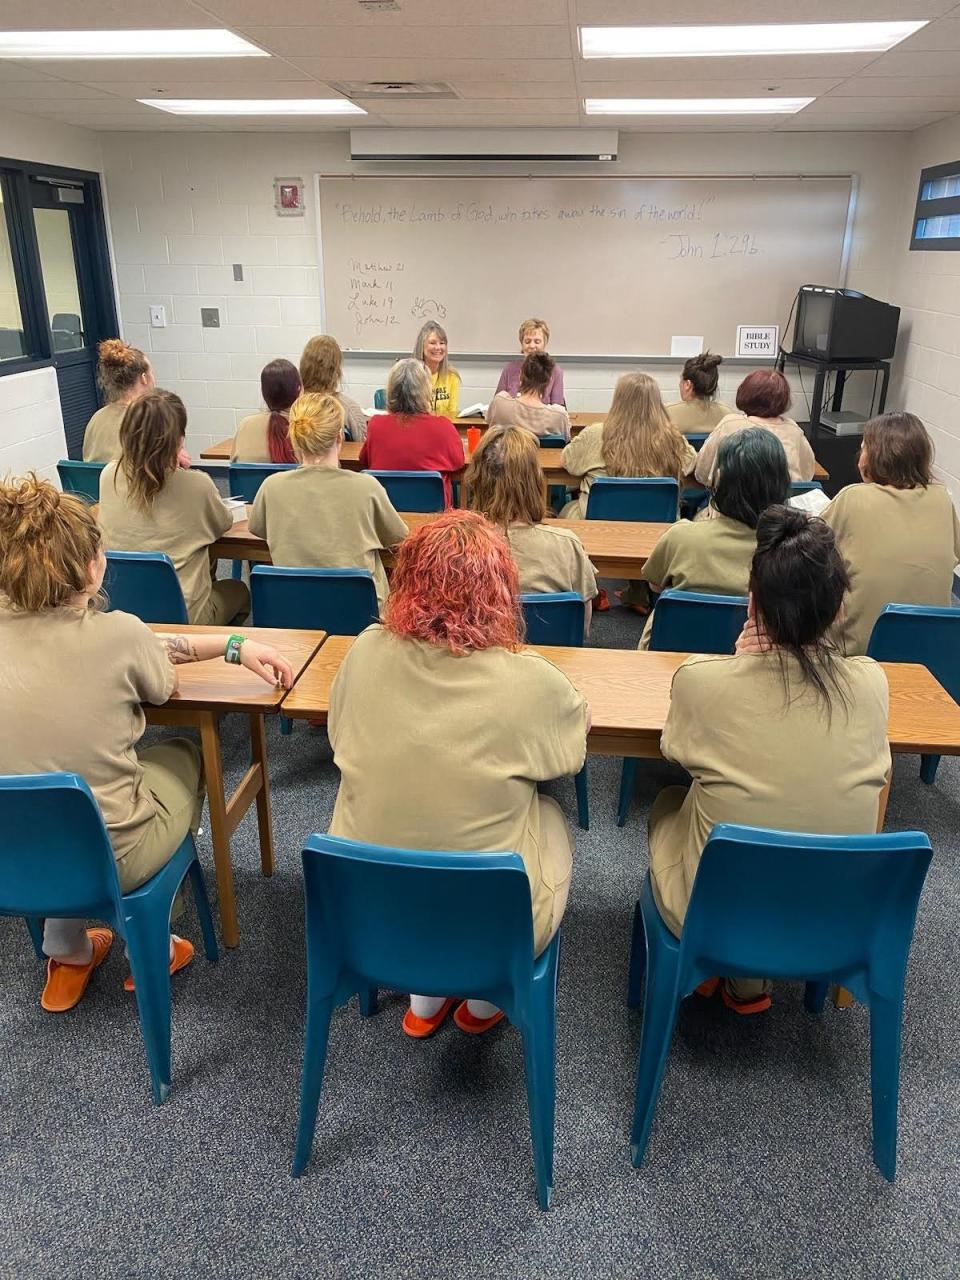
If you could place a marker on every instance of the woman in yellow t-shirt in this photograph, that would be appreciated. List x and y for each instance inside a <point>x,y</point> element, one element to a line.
<point>72,681</point>
<point>431,348</point>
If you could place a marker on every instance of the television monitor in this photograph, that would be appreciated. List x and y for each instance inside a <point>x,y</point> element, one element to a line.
<point>841,324</point>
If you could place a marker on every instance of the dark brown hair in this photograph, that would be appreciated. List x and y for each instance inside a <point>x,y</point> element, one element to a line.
<point>504,480</point>
<point>765,393</point>
<point>151,435</point>
<point>47,541</point>
<point>701,372</point>
<point>536,372</point>
<point>279,386</point>
<point>119,366</point>
<point>899,452</point>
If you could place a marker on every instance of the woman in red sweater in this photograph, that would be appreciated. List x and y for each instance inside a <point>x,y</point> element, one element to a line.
<point>409,437</point>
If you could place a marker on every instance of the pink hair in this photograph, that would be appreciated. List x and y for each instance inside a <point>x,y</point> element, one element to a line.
<point>455,585</point>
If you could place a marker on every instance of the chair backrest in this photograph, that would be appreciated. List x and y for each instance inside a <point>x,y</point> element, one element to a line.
<point>416,921</point>
<point>697,622</point>
<point>804,486</point>
<point>380,398</point>
<point>633,498</point>
<point>55,856</point>
<point>696,438</point>
<point>247,477</point>
<point>552,442</point>
<point>340,601</point>
<point>554,617</point>
<point>787,905</point>
<point>145,583</point>
<point>82,478</point>
<point>69,321</point>
<point>412,490</point>
<point>928,634</point>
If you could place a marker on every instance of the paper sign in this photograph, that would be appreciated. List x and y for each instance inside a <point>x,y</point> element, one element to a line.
<point>758,339</point>
<point>685,346</point>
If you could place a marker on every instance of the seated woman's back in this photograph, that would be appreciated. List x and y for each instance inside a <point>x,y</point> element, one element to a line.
<point>263,437</point>
<point>505,410</point>
<point>763,399</point>
<point>123,374</point>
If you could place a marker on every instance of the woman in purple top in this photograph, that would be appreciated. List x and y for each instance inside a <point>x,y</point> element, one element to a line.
<point>534,336</point>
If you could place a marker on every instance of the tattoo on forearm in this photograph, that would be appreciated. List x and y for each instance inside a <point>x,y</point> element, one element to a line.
<point>180,649</point>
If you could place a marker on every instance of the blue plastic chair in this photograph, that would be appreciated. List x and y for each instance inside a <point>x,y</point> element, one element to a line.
<point>56,860</point>
<point>145,584</point>
<point>552,442</point>
<point>696,438</point>
<point>686,622</point>
<point>412,490</point>
<point>557,617</point>
<point>803,486</point>
<point>82,478</point>
<point>633,498</point>
<point>380,399</point>
<point>926,634</point>
<point>786,906</point>
<point>433,923</point>
<point>247,477</point>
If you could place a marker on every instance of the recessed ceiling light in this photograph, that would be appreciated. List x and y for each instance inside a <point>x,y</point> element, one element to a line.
<point>255,106</point>
<point>694,106</point>
<point>728,41</point>
<point>214,42</point>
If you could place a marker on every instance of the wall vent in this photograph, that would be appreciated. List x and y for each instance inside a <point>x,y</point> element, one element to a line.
<point>381,90</point>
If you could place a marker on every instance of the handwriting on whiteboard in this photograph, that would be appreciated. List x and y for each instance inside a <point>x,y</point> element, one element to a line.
<point>486,213</point>
<point>721,244</point>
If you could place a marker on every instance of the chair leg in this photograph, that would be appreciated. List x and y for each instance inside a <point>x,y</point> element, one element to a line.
<point>539,1056</point>
<point>202,903</point>
<point>583,799</point>
<point>659,1015</point>
<point>35,929</point>
<point>238,570</point>
<point>319,1013</point>
<point>885,1018</point>
<point>148,948</point>
<point>638,960</point>
<point>367,997</point>
<point>814,994</point>
<point>928,769</point>
<point>286,725</point>
<point>628,781</point>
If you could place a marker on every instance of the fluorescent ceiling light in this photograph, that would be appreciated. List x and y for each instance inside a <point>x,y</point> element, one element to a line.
<point>694,106</point>
<point>728,41</point>
<point>214,42</point>
<point>255,106</point>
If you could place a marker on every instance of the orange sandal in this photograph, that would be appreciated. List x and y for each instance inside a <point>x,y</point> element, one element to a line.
<point>601,601</point>
<point>182,955</point>
<point>419,1028</point>
<point>760,1004</point>
<point>475,1026</point>
<point>66,983</point>
<point>708,988</point>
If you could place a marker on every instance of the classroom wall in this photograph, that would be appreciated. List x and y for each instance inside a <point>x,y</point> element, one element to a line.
<point>31,424</point>
<point>927,288</point>
<point>184,207</point>
<point>33,138</point>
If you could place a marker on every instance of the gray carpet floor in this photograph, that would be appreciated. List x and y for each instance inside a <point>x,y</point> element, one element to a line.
<point>759,1164</point>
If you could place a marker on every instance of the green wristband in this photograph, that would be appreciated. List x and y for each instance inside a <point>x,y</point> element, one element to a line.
<point>232,651</point>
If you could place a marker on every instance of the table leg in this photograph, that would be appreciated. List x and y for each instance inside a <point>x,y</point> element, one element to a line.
<point>219,827</point>
<point>842,998</point>
<point>258,757</point>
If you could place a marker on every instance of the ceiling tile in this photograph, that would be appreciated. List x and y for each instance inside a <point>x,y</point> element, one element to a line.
<point>223,70</point>
<point>752,87</point>
<point>547,70</point>
<point>689,71</point>
<point>413,13</point>
<point>457,109</point>
<point>533,89</point>
<point>200,87</point>
<point>40,90</point>
<point>897,63</point>
<point>898,87</point>
<point>412,42</point>
<point>942,35</point>
<point>97,15</point>
<point>627,13</point>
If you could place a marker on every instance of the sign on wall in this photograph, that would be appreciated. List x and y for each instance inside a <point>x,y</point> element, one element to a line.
<point>758,339</point>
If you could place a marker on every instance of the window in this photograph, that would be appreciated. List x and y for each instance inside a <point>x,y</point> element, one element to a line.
<point>936,221</point>
<point>13,344</point>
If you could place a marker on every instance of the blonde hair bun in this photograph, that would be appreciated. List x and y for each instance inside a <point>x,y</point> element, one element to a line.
<point>47,541</point>
<point>316,420</point>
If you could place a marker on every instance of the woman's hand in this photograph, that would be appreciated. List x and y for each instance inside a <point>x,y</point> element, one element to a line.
<point>184,460</point>
<point>267,663</point>
<point>752,639</point>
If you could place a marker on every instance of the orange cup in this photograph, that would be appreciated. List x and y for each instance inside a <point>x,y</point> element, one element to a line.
<point>473,438</point>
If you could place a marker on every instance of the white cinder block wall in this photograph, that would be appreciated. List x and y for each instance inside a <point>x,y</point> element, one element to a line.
<point>927,287</point>
<point>31,424</point>
<point>184,207</point>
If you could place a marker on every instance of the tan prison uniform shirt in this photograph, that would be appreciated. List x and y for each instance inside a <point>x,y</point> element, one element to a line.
<point>900,546</point>
<point>443,752</point>
<point>551,559</point>
<point>764,759</point>
<point>250,442</point>
<point>800,460</point>
<point>583,457</point>
<point>101,440</point>
<point>709,555</point>
<point>184,519</point>
<point>506,410</point>
<point>698,415</point>
<point>325,518</point>
<point>71,684</point>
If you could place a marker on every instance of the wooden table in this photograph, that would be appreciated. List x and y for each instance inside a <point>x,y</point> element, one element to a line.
<point>577,421</point>
<point>617,548</point>
<point>208,690</point>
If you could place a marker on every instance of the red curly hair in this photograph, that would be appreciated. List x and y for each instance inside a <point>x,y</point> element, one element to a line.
<point>455,585</point>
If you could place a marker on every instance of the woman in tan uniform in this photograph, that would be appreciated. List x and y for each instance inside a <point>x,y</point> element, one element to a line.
<point>697,410</point>
<point>505,483</point>
<point>528,408</point>
<point>442,726</point>
<point>715,555</point>
<point>763,399</point>
<point>72,680</point>
<point>320,516</point>
<point>263,437</point>
<point>797,733</point>
<point>124,374</point>
<point>149,503</point>
<point>321,371</point>
<point>898,532</point>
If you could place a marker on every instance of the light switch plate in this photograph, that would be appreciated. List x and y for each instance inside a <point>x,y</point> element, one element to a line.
<point>158,317</point>
<point>210,317</point>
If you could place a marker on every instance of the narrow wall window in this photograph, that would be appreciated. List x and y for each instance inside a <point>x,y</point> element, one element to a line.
<point>13,343</point>
<point>936,221</point>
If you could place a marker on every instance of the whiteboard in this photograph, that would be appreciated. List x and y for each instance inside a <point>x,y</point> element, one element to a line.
<point>614,265</point>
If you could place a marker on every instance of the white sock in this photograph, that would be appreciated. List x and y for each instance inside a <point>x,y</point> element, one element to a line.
<point>426,1006</point>
<point>481,1008</point>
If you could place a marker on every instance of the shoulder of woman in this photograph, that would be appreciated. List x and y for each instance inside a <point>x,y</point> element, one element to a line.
<point>700,668</point>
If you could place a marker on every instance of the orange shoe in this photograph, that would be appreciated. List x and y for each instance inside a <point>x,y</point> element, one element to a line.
<point>419,1028</point>
<point>475,1026</point>
<point>642,609</point>
<point>758,1005</point>
<point>66,983</point>
<point>182,955</point>
<point>708,987</point>
<point>601,601</point>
